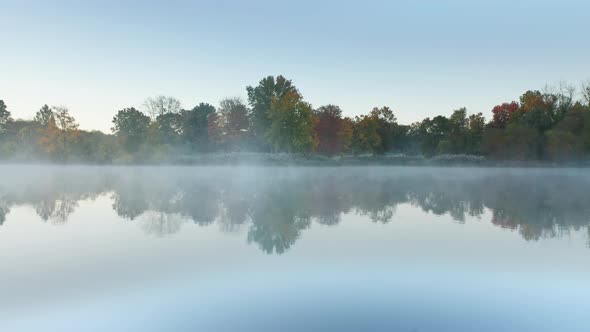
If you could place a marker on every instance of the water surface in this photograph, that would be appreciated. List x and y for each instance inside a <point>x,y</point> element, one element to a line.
<point>293,249</point>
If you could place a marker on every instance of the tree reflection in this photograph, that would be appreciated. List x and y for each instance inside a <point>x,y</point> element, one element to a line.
<point>3,211</point>
<point>279,214</point>
<point>161,223</point>
<point>275,206</point>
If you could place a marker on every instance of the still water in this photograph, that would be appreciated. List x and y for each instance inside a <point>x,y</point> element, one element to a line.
<point>294,249</point>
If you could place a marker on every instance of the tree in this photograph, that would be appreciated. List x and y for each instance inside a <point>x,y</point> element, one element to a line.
<point>329,127</point>
<point>562,145</point>
<point>475,132</point>
<point>493,143</point>
<point>5,117</point>
<point>43,115</point>
<point>522,143</point>
<point>131,127</point>
<point>169,128</point>
<point>161,105</point>
<point>387,124</point>
<point>537,110</point>
<point>346,134</point>
<point>195,125</point>
<point>50,138</point>
<point>215,132</point>
<point>531,100</point>
<point>261,98</point>
<point>366,135</point>
<point>233,114</point>
<point>458,126</point>
<point>586,93</point>
<point>504,113</point>
<point>430,133</point>
<point>374,132</point>
<point>291,124</point>
<point>67,126</point>
<point>97,147</point>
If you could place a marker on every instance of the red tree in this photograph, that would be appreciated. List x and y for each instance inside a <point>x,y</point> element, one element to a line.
<point>503,113</point>
<point>328,127</point>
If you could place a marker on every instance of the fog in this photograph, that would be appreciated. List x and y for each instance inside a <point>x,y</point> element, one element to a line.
<point>276,204</point>
<point>91,248</point>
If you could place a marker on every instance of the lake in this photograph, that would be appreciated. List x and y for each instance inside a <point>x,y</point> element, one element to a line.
<point>294,249</point>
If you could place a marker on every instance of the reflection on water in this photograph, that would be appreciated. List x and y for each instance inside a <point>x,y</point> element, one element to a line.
<point>276,205</point>
<point>293,249</point>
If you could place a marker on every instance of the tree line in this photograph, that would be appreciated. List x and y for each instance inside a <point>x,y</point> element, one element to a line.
<point>553,125</point>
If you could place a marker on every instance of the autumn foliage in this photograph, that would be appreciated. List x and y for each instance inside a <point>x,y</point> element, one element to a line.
<point>550,126</point>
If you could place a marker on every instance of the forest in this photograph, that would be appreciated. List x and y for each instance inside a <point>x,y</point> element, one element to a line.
<point>551,125</point>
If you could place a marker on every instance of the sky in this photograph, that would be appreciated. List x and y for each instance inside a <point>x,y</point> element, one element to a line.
<point>421,58</point>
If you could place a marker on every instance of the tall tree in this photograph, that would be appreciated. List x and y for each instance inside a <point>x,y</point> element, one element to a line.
<point>346,134</point>
<point>169,128</point>
<point>195,126</point>
<point>68,127</point>
<point>234,120</point>
<point>43,115</point>
<point>476,129</point>
<point>131,127</point>
<point>291,124</point>
<point>433,135</point>
<point>459,124</point>
<point>49,141</point>
<point>261,98</point>
<point>366,135</point>
<point>5,117</point>
<point>387,124</point>
<point>329,126</point>
<point>215,133</point>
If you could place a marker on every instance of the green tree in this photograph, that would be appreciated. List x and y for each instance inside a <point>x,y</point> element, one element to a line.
<point>5,117</point>
<point>366,135</point>
<point>131,127</point>
<point>563,145</point>
<point>195,125</point>
<point>430,132</point>
<point>387,125</point>
<point>522,142</point>
<point>261,98</point>
<point>346,134</point>
<point>458,127</point>
<point>475,132</point>
<point>169,128</point>
<point>43,115</point>
<point>374,132</point>
<point>291,124</point>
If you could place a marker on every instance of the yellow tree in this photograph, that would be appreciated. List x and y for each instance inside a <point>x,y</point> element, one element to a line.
<point>49,139</point>
<point>346,134</point>
<point>367,138</point>
<point>292,124</point>
<point>61,131</point>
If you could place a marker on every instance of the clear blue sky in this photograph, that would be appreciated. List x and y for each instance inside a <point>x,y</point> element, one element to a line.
<point>422,58</point>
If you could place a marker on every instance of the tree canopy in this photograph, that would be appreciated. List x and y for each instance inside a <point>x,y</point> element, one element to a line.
<point>551,125</point>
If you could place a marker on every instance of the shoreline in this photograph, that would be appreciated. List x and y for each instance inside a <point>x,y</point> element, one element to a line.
<point>286,160</point>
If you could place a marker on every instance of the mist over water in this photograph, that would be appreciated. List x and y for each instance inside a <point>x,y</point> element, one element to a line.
<point>287,248</point>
